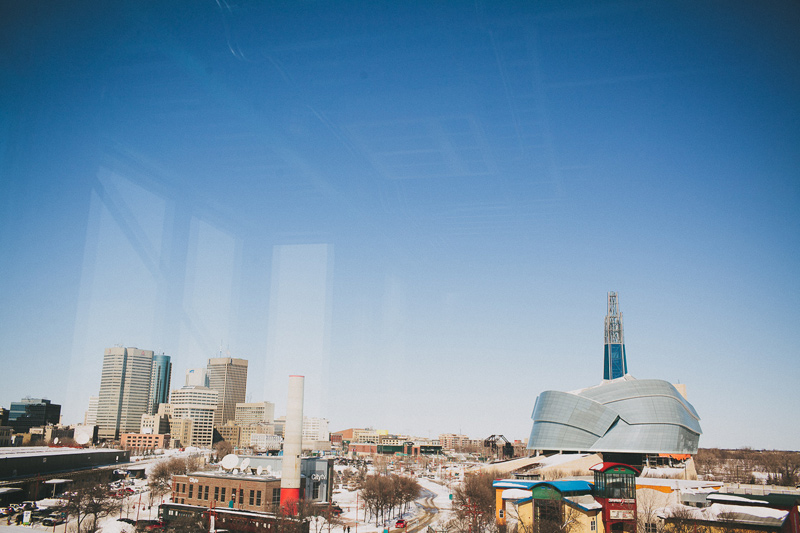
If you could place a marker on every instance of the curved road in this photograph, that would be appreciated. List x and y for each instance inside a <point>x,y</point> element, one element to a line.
<point>426,503</point>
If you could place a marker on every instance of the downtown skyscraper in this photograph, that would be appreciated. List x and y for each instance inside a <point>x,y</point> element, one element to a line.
<point>131,383</point>
<point>227,376</point>
<point>160,379</point>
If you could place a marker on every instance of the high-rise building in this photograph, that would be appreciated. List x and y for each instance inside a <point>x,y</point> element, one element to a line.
<point>315,432</point>
<point>160,379</point>
<point>197,404</point>
<point>255,413</point>
<point>196,377</point>
<point>90,416</point>
<point>124,391</point>
<point>615,364</point>
<point>316,429</point>
<point>228,376</point>
<point>32,412</point>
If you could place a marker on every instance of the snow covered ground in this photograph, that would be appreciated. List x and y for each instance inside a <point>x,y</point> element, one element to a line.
<point>134,507</point>
<point>432,493</point>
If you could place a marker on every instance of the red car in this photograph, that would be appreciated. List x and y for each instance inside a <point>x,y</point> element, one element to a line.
<point>400,523</point>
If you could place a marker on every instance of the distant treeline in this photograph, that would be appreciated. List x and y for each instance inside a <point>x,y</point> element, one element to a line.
<point>745,465</point>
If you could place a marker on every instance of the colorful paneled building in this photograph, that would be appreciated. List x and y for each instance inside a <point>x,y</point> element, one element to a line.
<point>607,505</point>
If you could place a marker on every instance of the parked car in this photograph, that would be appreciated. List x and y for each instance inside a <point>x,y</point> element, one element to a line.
<point>53,520</point>
<point>400,523</point>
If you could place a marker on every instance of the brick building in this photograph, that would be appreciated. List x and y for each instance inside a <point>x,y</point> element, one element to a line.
<point>144,441</point>
<point>248,492</point>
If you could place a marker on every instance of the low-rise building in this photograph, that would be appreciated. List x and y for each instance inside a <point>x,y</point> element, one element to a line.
<point>248,430</point>
<point>452,441</point>
<point>255,413</point>
<point>141,442</point>
<point>156,424</point>
<point>181,432</point>
<point>33,412</point>
<point>5,435</point>
<point>249,492</point>
<point>231,433</point>
<point>261,442</point>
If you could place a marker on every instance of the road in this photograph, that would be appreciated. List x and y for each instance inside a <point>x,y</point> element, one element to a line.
<point>426,503</point>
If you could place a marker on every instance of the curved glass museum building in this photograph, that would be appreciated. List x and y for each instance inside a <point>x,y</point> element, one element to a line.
<point>623,415</point>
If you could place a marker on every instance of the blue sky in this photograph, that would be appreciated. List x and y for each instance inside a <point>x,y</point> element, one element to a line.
<point>419,207</point>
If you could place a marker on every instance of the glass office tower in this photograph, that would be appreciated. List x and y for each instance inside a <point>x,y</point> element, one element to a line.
<point>160,381</point>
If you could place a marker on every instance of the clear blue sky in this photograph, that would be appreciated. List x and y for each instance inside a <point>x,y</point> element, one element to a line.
<point>420,207</point>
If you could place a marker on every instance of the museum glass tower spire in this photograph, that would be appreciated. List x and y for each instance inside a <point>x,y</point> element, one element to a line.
<point>614,364</point>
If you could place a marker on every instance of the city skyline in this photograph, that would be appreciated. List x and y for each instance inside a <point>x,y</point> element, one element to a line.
<point>420,208</point>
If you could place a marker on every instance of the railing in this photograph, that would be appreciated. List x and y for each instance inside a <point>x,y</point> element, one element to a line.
<point>759,490</point>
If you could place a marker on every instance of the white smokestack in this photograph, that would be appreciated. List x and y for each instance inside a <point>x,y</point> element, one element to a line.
<point>292,445</point>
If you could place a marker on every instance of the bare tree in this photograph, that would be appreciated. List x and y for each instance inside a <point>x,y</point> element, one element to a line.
<point>221,449</point>
<point>160,479</point>
<point>473,503</point>
<point>321,516</point>
<point>681,519</point>
<point>409,491</point>
<point>729,523</point>
<point>295,518</point>
<point>376,491</point>
<point>90,501</point>
<point>562,518</point>
<point>648,502</point>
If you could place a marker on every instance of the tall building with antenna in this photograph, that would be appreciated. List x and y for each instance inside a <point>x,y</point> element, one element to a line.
<point>227,376</point>
<point>124,391</point>
<point>615,365</point>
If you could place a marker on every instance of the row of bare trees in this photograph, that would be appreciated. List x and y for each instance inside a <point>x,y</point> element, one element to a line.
<point>384,495</point>
<point>742,465</point>
<point>88,502</point>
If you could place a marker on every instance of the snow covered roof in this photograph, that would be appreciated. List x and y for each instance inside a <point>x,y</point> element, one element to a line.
<point>38,451</point>
<point>585,502</point>
<point>516,494</point>
<point>513,484</point>
<point>682,485</point>
<point>732,514</point>
<point>734,498</point>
